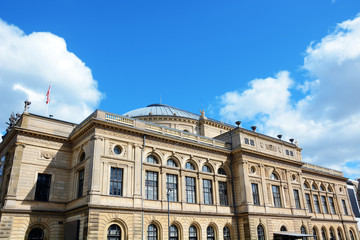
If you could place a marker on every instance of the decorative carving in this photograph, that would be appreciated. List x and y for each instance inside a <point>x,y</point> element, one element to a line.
<point>47,155</point>
<point>279,149</point>
<point>271,147</point>
<point>261,144</point>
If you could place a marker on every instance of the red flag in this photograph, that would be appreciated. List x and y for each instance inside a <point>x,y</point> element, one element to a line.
<point>48,95</point>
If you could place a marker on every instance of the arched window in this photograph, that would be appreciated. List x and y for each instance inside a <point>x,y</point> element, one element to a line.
<point>174,233</point>
<point>352,235</point>
<point>152,232</point>
<point>226,232</point>
<point>306,185</point>
<point>260,232</point>
<point>322,188</point>
<point>221,171</point>
<point>283,229</point>
<point>82,156</point>
<point>189,166</point>
<point>36,234</point>
<point>171,163</point>
<point>303,231</point>
<point>151,159</point>
<point>114,232</point>
<point>339,232</point>
<point>323,234</point>
<point>330,189</point>
<point>332,235</point>
<point>206,168</point>
<point>274,176</point>
<point>192,233</point>
<point>314,187</point>
<point>210,233</point>
<point>315,234</point>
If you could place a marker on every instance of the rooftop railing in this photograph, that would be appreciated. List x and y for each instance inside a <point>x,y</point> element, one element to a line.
<point>160,129</point>
<point>323,169</point>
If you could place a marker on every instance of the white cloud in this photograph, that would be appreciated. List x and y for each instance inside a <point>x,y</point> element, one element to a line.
<point>326,122</point>
<point>28,63</point>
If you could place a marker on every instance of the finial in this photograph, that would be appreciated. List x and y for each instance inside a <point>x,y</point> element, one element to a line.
<point>279,136</point>
<point>27,104</point>
<point>238,123</point>
<point>253,128</point>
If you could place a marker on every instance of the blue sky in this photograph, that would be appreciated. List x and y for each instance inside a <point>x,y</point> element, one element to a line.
<point>268,63</point>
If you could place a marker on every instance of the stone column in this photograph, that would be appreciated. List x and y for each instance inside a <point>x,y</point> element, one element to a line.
<point>245,189</point>
<point>263,184</point>
<point>137,171</point>
<point>95,165</point>
<point>14,174</point>
<point>291,192</point>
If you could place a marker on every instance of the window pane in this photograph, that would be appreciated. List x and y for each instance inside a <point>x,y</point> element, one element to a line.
<point>192,233</point>
<point>210,233</point>
<point>223,193</point>
<point>207,190</point>
<point>151,186</point>
<point>114,232</point>
<point>190,189</point>
<point>171,183</point>
<point>316,204</point>
<point>173,233</point>
<point>206,169</point>
<point>43,187</point>
<point>81,183</point>
<point>116,178</point>
<point>36,234</point>
<point>226,232</point>
<point>297,199</point>
<point>323,202</point>
<point>151,159</point>
<point>276,196</point>
<point>332,205</point>
<point>261,233</point>
<point>344,207</point>
<point>308,202</point>
<point>171,163</point>
<point>152,232</point>
<point>255,192</point>
<point>189,166</point>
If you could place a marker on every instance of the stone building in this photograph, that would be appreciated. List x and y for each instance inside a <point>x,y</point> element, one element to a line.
<point>131,176</point>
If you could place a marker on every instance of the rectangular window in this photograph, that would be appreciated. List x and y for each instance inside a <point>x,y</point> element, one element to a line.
<point>171,183</point>
<point>316,204</point>
<point>255,193</point>
<point>324,205</point>
<point>207,190</point>
<point>252,143</point>
<point>151,185</point>
<point>246,141</point>
<point>344,207</point>
<point>116,181</point>
<point>80,183</point>
<point>190,189</point>
<point>332,205</point>
<point>276,196</point>
<point>223,194</point>
<point>297,199</point>
<point>43,187</point>
<point>308,202</point>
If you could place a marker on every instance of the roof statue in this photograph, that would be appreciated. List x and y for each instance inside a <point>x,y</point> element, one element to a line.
<point>202,116</point>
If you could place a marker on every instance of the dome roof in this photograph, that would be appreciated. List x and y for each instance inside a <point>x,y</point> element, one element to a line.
<point>161,110</point>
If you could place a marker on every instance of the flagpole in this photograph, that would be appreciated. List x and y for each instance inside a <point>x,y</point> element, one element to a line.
<point>47,100</point>
<point>47,109</point>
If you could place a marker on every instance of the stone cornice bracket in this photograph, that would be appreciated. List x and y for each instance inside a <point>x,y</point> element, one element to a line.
<point>20,144</point>
<point>97,137</point>
<point>154,149</point>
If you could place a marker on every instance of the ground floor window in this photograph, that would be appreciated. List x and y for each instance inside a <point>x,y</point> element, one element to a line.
<point>114,232</point>
<point>36,234</point>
